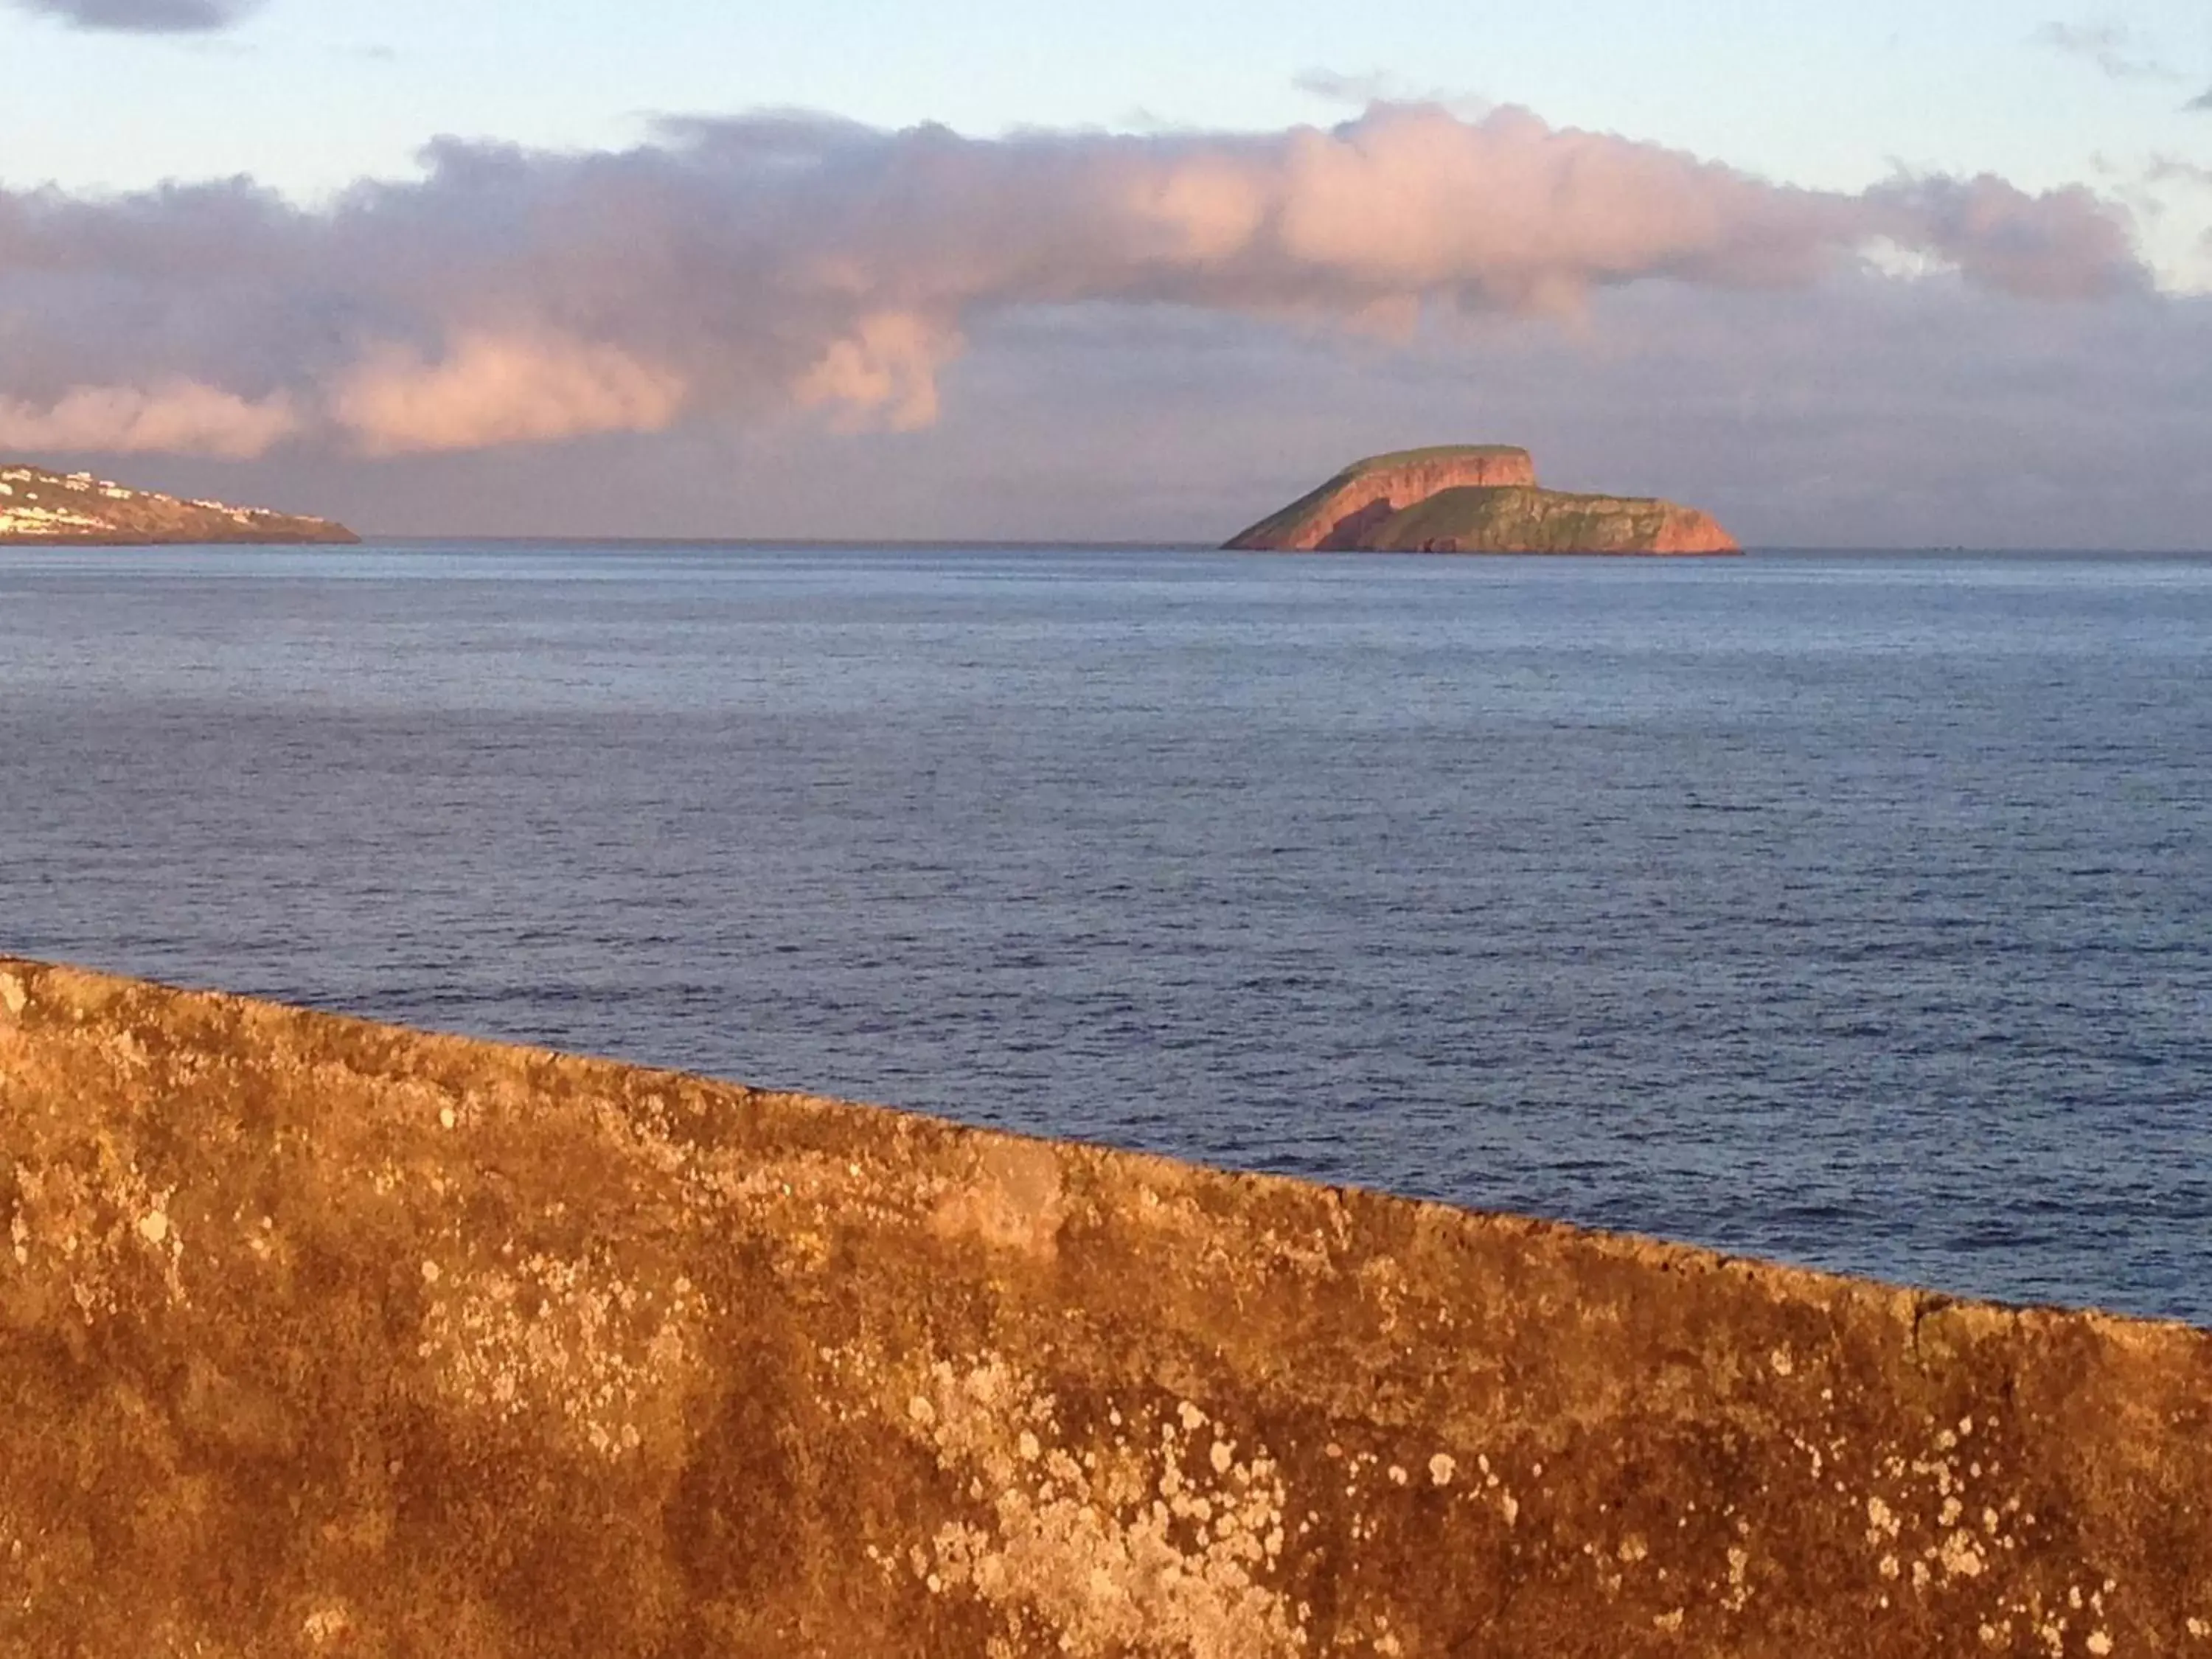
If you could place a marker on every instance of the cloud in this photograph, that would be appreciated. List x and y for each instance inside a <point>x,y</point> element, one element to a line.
<point>2003,239</point>
<point>1381,86</point>
<point>735,270</point>
<point>144,16</point>
<point>1856,411</point>
<point>885,374</point>
<point>2113,48</point>
<point>2201,102</point>
<point>2175,170</point>
<point>492,390</point>
<point>177,417</point>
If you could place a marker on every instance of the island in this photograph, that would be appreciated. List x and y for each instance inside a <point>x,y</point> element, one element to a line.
<point>42,508</point>
<point>1474,498</point>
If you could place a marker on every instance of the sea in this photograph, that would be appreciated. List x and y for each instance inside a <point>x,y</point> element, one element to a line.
<point>1848,909</point>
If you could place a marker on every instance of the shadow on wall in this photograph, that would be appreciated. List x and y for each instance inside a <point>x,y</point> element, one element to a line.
<point>317,1335</point>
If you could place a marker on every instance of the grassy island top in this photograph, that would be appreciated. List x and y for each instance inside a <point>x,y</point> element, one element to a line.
<point>1433,454</point>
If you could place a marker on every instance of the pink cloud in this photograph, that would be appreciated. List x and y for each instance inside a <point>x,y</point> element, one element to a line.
<point>179,417</point>
<point>734,269</point>
<point>493,389</point>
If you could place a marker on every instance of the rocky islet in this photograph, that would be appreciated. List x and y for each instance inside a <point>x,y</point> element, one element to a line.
<point>1474,499</point>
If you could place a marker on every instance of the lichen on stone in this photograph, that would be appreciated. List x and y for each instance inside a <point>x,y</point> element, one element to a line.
<point>1162,1543</point>
<point>597,1358</point>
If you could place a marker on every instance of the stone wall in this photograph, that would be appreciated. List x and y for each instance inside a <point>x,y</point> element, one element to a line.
<point>322,1337</point>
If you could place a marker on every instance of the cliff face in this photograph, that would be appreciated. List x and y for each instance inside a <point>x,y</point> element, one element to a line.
<point>322,1337</point>
<point>37,507</point>
<point>1474,500</point>
<point>1338,514</point>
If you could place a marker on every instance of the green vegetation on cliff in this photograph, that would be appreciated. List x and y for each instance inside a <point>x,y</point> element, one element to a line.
<point>1526,520</point>
<point>1510,455</point>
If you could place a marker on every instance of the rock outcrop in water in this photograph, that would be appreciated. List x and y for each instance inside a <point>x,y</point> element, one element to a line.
<point>1474,499</point>
<point>41,507</point>
<point>319,1337</point>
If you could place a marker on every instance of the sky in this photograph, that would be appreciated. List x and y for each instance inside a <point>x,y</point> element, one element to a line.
<point>1869,274</point>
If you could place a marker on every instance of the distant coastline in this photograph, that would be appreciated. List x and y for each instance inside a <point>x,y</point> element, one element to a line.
<point>40,508</point>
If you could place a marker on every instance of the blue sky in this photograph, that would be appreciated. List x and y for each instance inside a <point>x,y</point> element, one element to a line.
<point>309,96</point>
<point>309,93</point>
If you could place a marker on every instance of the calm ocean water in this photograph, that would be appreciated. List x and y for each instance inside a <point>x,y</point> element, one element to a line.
<point>1855,910</point>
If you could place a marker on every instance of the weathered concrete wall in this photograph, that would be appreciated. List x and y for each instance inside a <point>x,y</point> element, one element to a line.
<point>320,1337</point>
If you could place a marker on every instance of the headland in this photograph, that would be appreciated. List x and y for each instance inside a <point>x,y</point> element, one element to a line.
<point>43,508</point>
